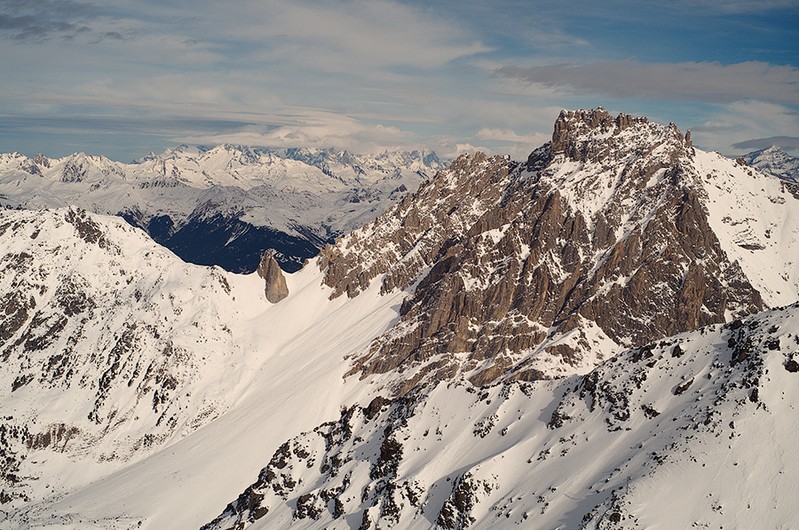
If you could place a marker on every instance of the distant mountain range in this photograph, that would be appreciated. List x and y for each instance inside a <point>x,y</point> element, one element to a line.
<point>602,336</point>
<point>224,205</point>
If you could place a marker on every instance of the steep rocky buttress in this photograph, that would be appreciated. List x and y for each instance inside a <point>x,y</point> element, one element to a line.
<point>527,271</point>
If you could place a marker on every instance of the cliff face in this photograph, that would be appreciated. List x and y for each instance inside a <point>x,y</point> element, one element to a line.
<point>527,271</point>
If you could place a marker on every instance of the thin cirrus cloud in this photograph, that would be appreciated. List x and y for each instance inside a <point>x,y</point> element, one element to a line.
<point>786,142</point>
<point>708,82</point>
<point>364,74</point>
<point>367,33</point>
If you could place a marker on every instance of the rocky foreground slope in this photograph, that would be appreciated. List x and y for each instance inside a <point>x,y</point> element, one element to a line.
<point>695,431</point>
<point>503,346</point>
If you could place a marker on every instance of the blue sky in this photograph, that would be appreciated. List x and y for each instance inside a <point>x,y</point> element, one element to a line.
<point>140,75</point>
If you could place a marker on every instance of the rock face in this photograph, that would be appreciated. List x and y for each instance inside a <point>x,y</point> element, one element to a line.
<point>524,271</point>
<point>275,283</point>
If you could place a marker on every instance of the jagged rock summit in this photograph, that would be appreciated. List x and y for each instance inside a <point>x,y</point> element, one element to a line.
<point>275,283</point>
<point>608,236</point>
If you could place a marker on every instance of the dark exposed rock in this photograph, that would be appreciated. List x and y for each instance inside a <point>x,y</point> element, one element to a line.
<point>375,406</point>
<point>87,229</point>
<point>456,514</point>
<point>682,387</point>
<point>792,366</point>
<point>56,436</point>
<point>275,283</point>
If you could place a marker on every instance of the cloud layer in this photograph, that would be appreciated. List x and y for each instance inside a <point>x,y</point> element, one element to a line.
<point>366,75</point>
<point>690,81</point>
<point>786,142</point>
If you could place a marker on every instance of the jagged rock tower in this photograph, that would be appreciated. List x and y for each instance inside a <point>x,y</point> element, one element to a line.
<point>275,286</point>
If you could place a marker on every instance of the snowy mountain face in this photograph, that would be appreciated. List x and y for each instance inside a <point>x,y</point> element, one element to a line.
<point>224,205</point>
<point>560,343</point>
<point>774,161</point>
<point>117,357</point>
<point>110,345</point>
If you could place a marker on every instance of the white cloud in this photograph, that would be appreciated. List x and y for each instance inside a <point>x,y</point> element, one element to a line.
<point>311,127</point>
<point>503,135</point>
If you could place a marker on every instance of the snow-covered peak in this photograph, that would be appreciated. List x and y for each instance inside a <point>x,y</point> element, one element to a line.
<point>774,161</point>
<point>246,167</point>
<point>303,196</point>
<point>75,168</point>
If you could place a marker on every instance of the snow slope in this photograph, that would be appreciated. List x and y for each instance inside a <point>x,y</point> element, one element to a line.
<point>242,371</point>
<point>693,431</point>
<point>757,223</point>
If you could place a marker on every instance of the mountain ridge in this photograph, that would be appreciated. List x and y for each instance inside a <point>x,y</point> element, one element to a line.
<point>199,202</point>
<point>774,161</point>
<point>607,235</point>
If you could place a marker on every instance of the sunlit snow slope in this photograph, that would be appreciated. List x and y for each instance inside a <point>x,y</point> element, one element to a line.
<point>114,351</point>
<point>696,431</point>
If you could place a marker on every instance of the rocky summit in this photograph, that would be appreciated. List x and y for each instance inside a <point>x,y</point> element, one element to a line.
<point>583,339</point>
<point>602,239</point>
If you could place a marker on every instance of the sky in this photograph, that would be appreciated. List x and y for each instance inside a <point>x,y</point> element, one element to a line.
<point>128,77</point>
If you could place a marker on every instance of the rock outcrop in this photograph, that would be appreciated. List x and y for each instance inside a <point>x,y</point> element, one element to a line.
<point>275,286</point>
